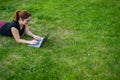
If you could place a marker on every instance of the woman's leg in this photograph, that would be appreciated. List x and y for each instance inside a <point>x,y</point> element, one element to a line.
<point>2,22</point>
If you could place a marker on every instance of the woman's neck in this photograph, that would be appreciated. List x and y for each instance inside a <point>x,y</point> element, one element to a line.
<point>20,24</point>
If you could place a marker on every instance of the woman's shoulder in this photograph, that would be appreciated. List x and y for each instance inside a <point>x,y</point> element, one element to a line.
<point>14,24</point>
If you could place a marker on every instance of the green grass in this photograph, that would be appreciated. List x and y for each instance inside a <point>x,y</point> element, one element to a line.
<point>83,45</point>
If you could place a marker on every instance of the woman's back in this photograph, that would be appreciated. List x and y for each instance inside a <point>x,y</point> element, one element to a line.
<point>6,28</point>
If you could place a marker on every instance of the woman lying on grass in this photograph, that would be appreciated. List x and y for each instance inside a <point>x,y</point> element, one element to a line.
<point>18,26</point>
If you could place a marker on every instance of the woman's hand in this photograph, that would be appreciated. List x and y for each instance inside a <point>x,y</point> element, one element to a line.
<point>36,37</point>
<point>33,42</point>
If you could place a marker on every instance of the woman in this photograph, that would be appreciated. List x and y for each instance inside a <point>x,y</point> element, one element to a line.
<point>18,26</point>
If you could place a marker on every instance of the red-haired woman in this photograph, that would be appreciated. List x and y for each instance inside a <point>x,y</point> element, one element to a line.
<point>18,26</point>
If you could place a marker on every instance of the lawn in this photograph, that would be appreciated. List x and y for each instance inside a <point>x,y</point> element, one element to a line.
<point>84,43</point>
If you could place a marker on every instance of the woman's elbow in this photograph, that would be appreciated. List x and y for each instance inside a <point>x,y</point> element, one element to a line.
<point>17,40</point>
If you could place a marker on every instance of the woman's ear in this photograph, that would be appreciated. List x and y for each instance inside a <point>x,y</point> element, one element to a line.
<point>21,19</point>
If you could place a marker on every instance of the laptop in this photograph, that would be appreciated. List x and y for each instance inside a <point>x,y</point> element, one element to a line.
<point>40,42</point>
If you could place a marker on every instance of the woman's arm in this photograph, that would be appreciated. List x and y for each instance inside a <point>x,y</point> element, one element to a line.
<point>16,36</point>
<point>28,32</point>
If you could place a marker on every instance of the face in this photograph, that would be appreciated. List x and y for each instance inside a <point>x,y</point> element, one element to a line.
<point>25,21</point>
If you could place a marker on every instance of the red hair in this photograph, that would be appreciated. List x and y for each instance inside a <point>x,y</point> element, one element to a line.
<point>21,14</point>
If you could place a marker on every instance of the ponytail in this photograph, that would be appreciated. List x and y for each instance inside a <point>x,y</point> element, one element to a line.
<point>21,14</point>
<point>16,15</point>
